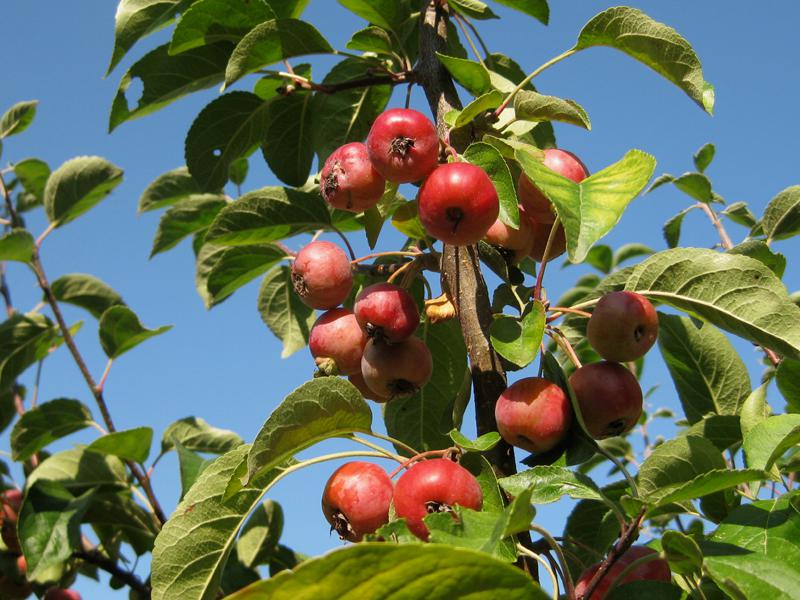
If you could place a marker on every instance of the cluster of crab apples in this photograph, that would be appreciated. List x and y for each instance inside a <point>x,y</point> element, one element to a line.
<point>13,566</point>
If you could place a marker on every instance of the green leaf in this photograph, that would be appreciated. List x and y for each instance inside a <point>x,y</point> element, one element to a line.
<point>465,528</point>
<point>652,43</point>
<point>538,9</point>
<point>768,440</point>
<point>17,245</point>
<point>210,21</point>
<point>782,215</point>
<point>185,218</point>
<point>372,39</point>
<point>131,444</point>
<point>190,465</point>
<point>695,185</point>
<point>41,425</point>
<point>167,189</point>
<point>286,9</point>
<point>237,171</point>
<point>32,174</point>
<point>678,461</point>
<point>24,340</point>
<point>86,291</point>
<point>470,74</point>
<point>548,484</point>
<point>288,146</point>
<point>116,513</point>
<point>704,156</point>
<point>517,339</point>
<point>166,78</point>
<point>759,250</point>
<point>320,409</point>
<point>260,535</point>
<point>739,213</point>
<point>682,552</point>
<point>283,312</point>
<point>533,106</point>
<point>77,185</point>
<point>477,107</point>
<point>406,571</point>
<point>193,433</point>
<point>754,410</point>
<point>192,549</point>
<point>590,209</point>
<point>347,115</point>
<point>472,8</point>
<point>80,469</point>
<point>49,526</point>
<point>385,13</point>
<point>491,161</point>
<point>268,214</point>
<point>753,575</point>
<point>723,431</point>
<point>17,118</point>
<point>483,443</point>
<point>600,257</point>
<point>228,128</point>
<point>424,420</point>
<point>788,379</point>
<point>271,42</point>
<point>121,330</point>
<point>672,228</point>
<point>737,293</point>
<point>706,483</point>
<point>224,270</point>
<point>406,220</point>
<point>137,18</point>
<point>708,373</point>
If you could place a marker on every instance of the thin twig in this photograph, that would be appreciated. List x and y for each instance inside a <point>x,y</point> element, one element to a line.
<point>109,566</point>
<point>537,291</point>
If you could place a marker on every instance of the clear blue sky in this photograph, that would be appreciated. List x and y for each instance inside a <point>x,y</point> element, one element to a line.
<point>224,365</point>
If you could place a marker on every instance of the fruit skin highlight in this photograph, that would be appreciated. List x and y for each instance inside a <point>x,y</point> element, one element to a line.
<point>403,145</point>
<point>533,200</point>
<point>356,499</point>
<point>349,181</point>
<point>431,486</point>
<point>322,275</point>
<point>458,204</point>
<point>609,397</point>
<point>655,570</point>
<point>337,336</point>
<point>396,370</point>
<point>623,326</point>
<point>533,414</point>
<point>387,312</point>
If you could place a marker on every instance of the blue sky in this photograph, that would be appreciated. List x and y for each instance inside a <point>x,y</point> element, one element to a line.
<point>224,365</point>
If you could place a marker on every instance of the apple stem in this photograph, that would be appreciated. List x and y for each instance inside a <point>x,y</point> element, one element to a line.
<point>559,338</point>
<point>407,463</point>
<point>530,553</point>
<point>565,575</point>
<point>530,77</point>
<point>537,291</point>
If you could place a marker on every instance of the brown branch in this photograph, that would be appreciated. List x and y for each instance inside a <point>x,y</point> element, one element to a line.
<point>361,82</point>
<point>109,566</point>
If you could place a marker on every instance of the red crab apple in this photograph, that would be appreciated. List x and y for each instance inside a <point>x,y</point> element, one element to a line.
<point>458,203</point>
<point>431,486</point>
<point>396,370</point>
<point>321,275</point>
<point>13,585</point>
<point>623,326</point>
<point>387,312</point>
<point>533,414</point>
<point>60,594</point>
<point>519,241</point>
<point>11,501</point>
<point>609,397</point>
<point>356,499</point>
<point>403,145</point>
<point>357,379</point>
<point>656,569</point>
<point>349,181</point>
<point>337,336</point>
<point>541,231</point>
<point>562,162</point>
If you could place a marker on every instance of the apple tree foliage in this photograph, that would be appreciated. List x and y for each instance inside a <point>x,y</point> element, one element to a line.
<point>717,500</point>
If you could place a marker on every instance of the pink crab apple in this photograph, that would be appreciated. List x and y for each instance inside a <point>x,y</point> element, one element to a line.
<point>60,594</point>
<point>458,203</point>
<point>533,414</point>
<point>321,275</point>
<point>609,397</point>
<point>623,326</point>
<point>387,312</point>
<point>396,370</point>
<point>535,202</point>
<point>541,231</point>
<point>357,379</point>
<point>349,181</point>
<point>653,570</point>
<point>336,336</point>
<point>403,145</point>
<point>517,241</point>
<point>431,486</point>
<point>356,499</point>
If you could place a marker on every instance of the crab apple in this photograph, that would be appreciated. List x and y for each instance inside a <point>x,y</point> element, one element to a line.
<point>356,499</point>
<point>609,397</point>
<point>519,241</point>
<point>541,231</point>
<point>13,585</point>
<point>396,370</point>
<point>403,145</point>
<point>349,181</point>
<point>432,486</point>
<point>535,202</point>
<point>655,570</point>
<point>321,275</point>
<point>387,312</point>
<point>533,414</point>
<point>60,594</point>
<point>337,336</point>
<point>357,379</point>
<point>623,326</point>
<point>458,203</point>
<point>11,501</point>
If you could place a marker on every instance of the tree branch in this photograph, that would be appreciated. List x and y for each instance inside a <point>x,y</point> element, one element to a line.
<point>109,566</point>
